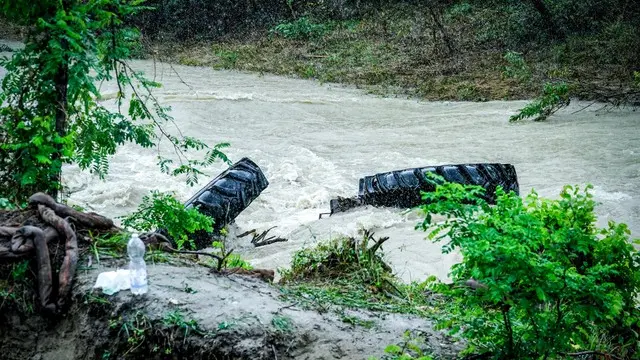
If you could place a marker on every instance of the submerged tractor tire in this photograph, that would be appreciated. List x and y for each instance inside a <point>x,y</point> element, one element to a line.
<point>226,196</point>
<point>402,188</point>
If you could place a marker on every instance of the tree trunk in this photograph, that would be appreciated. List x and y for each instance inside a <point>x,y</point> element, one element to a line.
<point>61,81</point>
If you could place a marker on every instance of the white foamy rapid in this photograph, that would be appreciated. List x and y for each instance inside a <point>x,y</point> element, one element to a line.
<point>314,142</point>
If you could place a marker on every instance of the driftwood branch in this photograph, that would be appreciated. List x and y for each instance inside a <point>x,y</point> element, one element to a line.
<point>261,239</point>
<point>70,262</point>
<point>377,245</point>
<point>158,241</point>
<point>269,241</point>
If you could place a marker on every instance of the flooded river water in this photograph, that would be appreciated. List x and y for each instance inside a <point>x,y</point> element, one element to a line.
<point>315,141</point>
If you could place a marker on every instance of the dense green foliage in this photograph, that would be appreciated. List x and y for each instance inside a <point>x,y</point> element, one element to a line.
<point>51,110</point>
<point>163,211</point>
<point>435,50</point>
<point>543,278</point>
<point>300,29</point>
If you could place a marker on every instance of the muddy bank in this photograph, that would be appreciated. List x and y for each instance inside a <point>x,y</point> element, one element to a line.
<point>223,317</point>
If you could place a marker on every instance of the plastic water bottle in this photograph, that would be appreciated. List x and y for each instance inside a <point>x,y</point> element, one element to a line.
<point>137,267</point>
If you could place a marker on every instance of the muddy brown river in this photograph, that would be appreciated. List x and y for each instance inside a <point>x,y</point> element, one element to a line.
<point>315,141</point>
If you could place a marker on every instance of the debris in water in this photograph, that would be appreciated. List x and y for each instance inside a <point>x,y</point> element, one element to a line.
<point>403,188</point>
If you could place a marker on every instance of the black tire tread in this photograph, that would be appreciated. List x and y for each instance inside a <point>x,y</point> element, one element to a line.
<point>227,195</point>
<point>402,188</point>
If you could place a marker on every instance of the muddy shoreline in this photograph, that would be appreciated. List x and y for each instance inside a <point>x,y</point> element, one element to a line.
<point>192,313</point>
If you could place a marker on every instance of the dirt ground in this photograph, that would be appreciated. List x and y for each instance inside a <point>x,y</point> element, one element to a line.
<point>223,317</point>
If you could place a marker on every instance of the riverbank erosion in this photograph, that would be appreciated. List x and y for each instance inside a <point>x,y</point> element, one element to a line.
<point>190,312</point>
<point>51,257</point>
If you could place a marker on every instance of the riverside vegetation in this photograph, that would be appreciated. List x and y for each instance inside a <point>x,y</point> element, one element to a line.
<point>538,279</point>
<point>435,50</point>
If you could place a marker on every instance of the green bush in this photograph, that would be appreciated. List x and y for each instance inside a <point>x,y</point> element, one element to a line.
<point>301,29</point>
<point>345,260</point>
<point>163,211</point>
<point>554,97</point>
<point>458,10</point>
<point>542,278</point>
<point>230,260</point>
<point>516,67</point>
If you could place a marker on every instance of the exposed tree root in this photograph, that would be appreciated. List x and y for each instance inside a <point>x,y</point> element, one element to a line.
<point>45,275</point>
<point>31,241</point>
<point>68,269</point>
<point>89,220</point>
<point>27,234</point>
<point>6,231</point>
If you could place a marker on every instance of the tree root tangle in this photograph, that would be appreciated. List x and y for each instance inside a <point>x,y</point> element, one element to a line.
<point>53,235</point>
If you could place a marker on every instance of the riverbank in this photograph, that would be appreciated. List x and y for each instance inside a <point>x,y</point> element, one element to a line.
<point>405,50</point>
<point>191,313</point>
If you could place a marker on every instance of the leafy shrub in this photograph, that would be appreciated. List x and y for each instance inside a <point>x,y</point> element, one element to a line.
<point>541,276</point>
<point>301,29</point>
<point>230,260</point>
<point>516,67</point>
<point>411,348</point>
<point>5,204</point>
<point>345,259</point>
<point>458,10</point>
<point>554,97</point>
<point>163,211</point>
<point>228,59</point>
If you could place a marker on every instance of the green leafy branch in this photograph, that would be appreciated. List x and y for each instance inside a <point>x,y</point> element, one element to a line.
<point>51,114</point>
<point>537,276</point>
<point>554,97</point>
<point>164,211</point>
